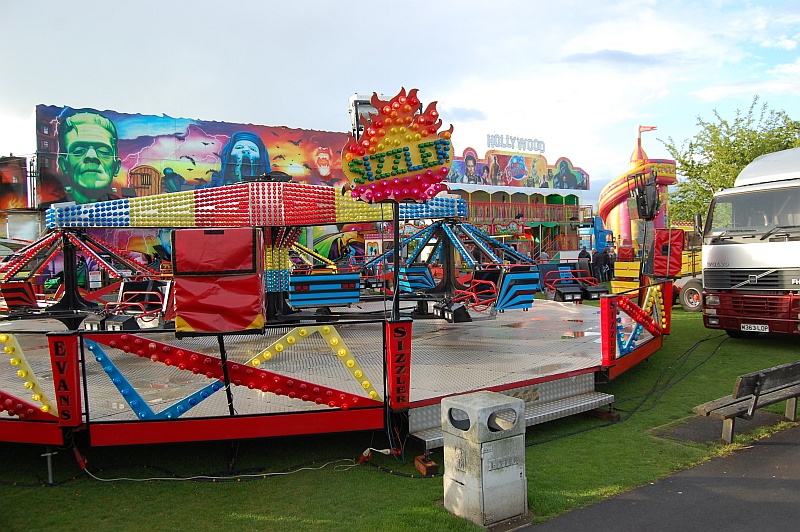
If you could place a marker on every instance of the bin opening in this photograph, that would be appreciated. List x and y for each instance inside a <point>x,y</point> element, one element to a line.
<point>502,420</point>
<point>459,418</point>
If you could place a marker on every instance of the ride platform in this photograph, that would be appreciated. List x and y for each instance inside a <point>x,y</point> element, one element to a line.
<point>311,376</point>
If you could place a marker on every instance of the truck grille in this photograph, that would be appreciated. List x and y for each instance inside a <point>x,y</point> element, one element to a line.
<point>751,279</point>
<point>760,306</point>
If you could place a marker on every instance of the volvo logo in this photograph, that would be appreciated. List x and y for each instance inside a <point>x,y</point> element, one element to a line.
<point>795,281</point>
<point>753,279</point>
<point>718,264</point>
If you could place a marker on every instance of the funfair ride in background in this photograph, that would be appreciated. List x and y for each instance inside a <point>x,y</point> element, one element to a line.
<point>613,203</point>
<point>620,221</point>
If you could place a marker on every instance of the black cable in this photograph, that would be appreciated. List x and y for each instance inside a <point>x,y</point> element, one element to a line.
<point>399,473</point>
<point>646,396</point>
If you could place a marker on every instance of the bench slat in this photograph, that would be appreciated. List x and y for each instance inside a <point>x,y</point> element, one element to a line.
<point>771,378</point>
<point>729,407</point>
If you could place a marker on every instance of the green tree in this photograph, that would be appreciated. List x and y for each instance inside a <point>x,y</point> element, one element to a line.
<point>711,160</point>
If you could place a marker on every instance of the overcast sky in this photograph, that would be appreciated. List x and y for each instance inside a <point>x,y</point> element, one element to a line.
<point>578,75</point>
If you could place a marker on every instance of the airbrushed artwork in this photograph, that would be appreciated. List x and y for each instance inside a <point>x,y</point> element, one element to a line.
<point>13,183</point>
<point>503,169</point>
<point>86,155</point>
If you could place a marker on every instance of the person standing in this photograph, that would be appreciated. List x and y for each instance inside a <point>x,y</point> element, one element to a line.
<point>544,256</point>
<point>602,265</point>
<point>611,259</point>
<point>595,264</point>
<point>584,254</point>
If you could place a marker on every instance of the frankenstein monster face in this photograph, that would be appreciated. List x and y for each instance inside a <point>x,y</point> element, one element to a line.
<point>89,153</point>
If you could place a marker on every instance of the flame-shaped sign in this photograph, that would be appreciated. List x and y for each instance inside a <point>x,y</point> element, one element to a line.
<point>402,155</point>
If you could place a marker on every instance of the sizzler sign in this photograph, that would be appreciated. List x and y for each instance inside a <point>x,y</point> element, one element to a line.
<point>398,352</point>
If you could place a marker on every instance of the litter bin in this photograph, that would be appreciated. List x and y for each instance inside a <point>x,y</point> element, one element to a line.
<point>484,457</point>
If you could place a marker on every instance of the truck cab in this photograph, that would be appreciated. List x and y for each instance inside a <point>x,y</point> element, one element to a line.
<point>751,250</point>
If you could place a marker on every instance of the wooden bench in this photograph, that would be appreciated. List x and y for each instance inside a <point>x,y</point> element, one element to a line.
<point>756,390</point>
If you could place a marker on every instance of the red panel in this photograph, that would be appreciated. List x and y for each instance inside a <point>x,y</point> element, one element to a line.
<point>667,252</point>
<point>267,426</point>
<point>667,290</point>
<point>66,378</point>
<point>634,357</point>
<point>31,432</point>
<point>608,330</point>
<point>216,251</point>
<point>398,347</point>
<point>625,254</point>
<point>18,294</point>
<point>205,303</point>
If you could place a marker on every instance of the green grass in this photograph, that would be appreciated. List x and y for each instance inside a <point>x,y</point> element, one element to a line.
<point>570,462</point>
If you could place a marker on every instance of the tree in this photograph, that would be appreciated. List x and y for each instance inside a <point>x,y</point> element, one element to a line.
<point>711,160</point>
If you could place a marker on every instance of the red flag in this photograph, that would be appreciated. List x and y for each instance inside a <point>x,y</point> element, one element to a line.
<point>642,129</point>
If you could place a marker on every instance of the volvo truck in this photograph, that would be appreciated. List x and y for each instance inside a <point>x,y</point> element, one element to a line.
<point>751,250</point>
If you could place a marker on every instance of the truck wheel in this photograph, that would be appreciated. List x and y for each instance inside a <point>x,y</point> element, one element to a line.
<point>691,296</point>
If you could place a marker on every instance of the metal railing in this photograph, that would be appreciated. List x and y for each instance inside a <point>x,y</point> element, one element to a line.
<point>490,212</point>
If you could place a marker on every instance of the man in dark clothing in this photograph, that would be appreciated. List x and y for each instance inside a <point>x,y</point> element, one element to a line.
<point>602,263</point>
<point>595,256</point>
<point>611,258</point>
<point>584,254</point>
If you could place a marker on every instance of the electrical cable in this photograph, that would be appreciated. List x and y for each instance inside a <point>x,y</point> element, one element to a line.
<point>645,397</point>
<point>401,474</point>
<point>346,463</point>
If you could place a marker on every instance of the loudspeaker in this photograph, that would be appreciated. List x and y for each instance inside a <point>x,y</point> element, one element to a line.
<point>94,322</point>
<point>121,323</point>
<point>457,313</point>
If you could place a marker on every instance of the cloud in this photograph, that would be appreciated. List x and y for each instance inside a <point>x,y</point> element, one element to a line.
<point>782,42</point>
<point>461,114</point>
<point>789,69</point>
<point>782,80</point>
<point>617,57</point>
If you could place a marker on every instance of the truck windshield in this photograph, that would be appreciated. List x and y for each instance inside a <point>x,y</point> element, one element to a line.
<point>753,212</point>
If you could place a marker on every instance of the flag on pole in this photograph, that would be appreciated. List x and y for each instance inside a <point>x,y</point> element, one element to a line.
<point>642,129</point>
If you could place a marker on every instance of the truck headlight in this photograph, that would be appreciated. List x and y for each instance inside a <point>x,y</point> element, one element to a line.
<point>712,301</point>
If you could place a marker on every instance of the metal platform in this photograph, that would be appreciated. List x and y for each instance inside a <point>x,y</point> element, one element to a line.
<point>547,356</point>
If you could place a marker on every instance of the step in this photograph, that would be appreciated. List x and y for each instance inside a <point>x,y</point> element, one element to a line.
<point>535,412</point>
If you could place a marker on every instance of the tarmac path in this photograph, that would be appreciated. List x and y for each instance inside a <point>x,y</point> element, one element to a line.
<point>756,488</point>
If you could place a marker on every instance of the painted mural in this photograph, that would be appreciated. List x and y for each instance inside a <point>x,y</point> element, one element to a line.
<point>87,155</point>
<point>13,183</point>
<point>504,169</point>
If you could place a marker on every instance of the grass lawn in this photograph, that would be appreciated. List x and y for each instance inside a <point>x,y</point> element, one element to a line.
<point>311,483</point>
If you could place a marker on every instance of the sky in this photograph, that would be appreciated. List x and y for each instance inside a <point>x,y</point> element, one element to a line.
<point>580,76</point>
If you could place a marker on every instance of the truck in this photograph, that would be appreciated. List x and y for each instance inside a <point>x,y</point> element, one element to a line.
<point>751,250</point>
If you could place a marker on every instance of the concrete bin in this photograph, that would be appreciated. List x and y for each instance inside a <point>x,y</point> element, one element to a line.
<point>484,457</point>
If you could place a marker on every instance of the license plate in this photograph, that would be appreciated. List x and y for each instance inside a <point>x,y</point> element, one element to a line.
<point>751,327</point>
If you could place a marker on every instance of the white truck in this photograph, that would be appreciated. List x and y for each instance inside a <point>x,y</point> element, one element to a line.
<point>751,250</point>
